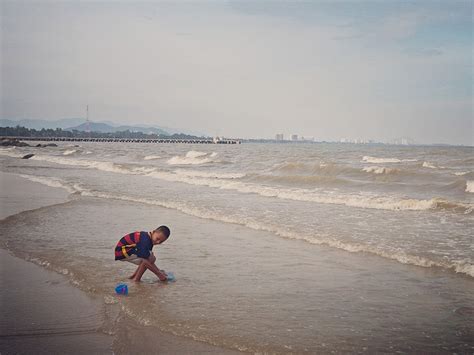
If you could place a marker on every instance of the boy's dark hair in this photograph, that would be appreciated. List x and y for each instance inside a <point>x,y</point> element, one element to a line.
<point>165,230</point>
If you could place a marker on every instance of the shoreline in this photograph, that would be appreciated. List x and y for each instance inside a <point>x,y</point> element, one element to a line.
<point>80,322</point>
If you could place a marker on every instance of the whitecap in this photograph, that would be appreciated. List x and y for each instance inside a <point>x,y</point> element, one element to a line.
<point>427,164</point>
<point>191,158</point>
<point>378,170</point>
<point>470,186</point>
<point>208,174</point>
<point>375,160</point>
<point>151,157</point>
<point>195,154</point>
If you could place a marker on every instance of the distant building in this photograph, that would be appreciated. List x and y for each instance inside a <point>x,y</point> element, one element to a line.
<point>294,137</point>
<point>403,141</point>
<point>279,137</point>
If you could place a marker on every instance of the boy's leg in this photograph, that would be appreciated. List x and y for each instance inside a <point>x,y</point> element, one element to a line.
<point>135,273</point>
<point>138,261</point>
<point>140,271</point>
<point>150,266</point>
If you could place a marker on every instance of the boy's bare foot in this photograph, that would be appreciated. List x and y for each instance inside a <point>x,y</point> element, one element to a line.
<point>132,276</point>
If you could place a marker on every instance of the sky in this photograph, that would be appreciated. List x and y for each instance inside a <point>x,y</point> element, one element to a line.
<point>328,69</point>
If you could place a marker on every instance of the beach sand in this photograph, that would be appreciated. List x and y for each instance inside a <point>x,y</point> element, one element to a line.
<point>42,313</point>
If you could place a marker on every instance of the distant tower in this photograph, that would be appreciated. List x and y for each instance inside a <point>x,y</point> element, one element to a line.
<point>88,124</point>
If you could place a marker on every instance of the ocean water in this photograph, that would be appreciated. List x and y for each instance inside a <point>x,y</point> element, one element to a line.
<point>276,247</point>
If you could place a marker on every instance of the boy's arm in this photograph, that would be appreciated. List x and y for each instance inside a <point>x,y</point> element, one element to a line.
<point>152,266</point>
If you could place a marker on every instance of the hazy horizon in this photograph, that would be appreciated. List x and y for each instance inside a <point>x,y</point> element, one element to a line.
<point>368,70</point>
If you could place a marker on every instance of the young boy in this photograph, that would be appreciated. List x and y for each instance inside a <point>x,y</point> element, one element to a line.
<point>136,248</point>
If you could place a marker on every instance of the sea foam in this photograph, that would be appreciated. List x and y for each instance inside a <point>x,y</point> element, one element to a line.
<point>151,157</point>
<point>378,170</point>
<point>427,164</point>
<point>470,186</point>
<point>49,181</point>
<point>375,160</point>
<point>191,158</point>
<point>208,174</point>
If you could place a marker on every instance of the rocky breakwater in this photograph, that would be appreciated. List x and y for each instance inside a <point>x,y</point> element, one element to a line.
<point>12,142</point>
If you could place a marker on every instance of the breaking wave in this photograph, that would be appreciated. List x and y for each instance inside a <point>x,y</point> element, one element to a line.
<point>375,160</point>
<point>379,170</point>
<point>204,174</point>
<point>48,181</point>
<point>192,158</point>
<point>392,203</point>
<point>151,157</point>
<point>427,164</point>
<point>458,266</point>
<point>9,152</point>
<point>69,152</point>
<point>331,169</point>
<point>470,186</point>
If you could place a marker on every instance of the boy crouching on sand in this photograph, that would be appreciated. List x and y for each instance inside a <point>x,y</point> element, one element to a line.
<point>136,248</point>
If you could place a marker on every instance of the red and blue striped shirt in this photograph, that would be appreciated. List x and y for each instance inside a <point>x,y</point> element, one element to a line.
<point>136,243</point>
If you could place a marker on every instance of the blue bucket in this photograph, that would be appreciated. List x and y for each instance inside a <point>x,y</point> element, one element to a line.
<point>121,289</point>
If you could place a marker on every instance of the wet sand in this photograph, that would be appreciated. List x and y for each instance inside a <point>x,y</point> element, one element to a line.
<point>42,313</point>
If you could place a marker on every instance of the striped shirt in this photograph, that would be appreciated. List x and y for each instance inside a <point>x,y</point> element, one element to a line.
<point>136,243</point>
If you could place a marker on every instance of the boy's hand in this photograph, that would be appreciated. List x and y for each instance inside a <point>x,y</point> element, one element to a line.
<point>163,276</point>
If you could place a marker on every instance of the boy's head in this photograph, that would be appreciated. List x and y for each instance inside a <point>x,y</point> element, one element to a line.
<point>160,234</point>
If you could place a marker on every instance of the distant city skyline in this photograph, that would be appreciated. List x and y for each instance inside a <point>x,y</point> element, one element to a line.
<point>328,70</point>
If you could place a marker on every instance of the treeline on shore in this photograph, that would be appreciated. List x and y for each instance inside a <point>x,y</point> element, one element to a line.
<point>19,131</point>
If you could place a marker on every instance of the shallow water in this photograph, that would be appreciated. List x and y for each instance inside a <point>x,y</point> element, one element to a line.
<point>260,251</point>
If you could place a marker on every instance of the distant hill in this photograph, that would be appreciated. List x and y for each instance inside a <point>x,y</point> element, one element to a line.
<point>102,126</point>
<point>107,128</point>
